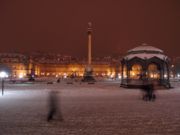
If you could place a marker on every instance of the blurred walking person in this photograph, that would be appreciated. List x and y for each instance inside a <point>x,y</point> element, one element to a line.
<point>148,92</point>
<point>58,80</point>
<point>54,106</point>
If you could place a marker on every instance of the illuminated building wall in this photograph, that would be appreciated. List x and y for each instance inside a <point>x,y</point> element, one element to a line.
<point>22,66</point>
<point>14,64</point>
<point>18,70</point>
<point>58,69</point>
<point>69,69</point>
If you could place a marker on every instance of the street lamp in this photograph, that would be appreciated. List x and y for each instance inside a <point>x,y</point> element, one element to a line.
<point>2,76</point>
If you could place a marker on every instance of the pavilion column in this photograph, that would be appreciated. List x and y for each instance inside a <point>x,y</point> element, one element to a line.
<point>168,74</point>
<point>161,74</point>
<point>128,73</point>
<point>122,73</point>
<point>144,70</point>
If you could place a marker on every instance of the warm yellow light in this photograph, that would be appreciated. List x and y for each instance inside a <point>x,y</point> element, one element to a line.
<point>74,69</point>
<point>65,75</point>
<point>133,74</point>
<point>119,76</point>
<point>42,73</point>
<point>109,73</point>
<point>21,75</point>
<point>103,74</point>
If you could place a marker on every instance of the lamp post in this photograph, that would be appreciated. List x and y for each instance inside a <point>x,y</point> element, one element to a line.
<point>2,86</point>
<point>2,76</point>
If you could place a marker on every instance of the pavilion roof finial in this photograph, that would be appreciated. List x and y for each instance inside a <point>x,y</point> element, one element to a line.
<point>144,44</point>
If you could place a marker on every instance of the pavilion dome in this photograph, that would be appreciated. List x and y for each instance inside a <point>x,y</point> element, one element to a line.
<point>145,52</point>
<point>145,47</point>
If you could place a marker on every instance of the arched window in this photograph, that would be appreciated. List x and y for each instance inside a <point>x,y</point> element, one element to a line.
<point>136,71</point>
<point>153,72</point>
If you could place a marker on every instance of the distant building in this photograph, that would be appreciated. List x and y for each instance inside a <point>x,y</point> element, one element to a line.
<point>14,63</point>
<point>54,65</point>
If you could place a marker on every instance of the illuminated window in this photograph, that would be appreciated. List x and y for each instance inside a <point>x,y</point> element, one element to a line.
<point>153,71</point>
<point>42,73</point>
<point>136,71</point>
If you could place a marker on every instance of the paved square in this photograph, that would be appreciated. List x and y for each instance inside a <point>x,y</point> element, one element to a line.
<point>88,109</point>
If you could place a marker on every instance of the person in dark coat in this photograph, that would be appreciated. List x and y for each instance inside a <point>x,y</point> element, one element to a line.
<point>148,92</point>
<point>152,95</point>
<point>58,80</point>
<point>54,108</point>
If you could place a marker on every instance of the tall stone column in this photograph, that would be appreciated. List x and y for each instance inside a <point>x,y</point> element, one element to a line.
<point>89,43</point>
<point>88,74</point>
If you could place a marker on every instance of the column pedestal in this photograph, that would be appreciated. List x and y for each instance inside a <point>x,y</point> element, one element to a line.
<point>88,74</point>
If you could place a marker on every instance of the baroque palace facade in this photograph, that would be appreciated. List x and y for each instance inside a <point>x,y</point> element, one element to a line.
<point>19,65</point>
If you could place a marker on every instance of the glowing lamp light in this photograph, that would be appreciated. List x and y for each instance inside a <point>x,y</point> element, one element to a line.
<point>151,75</point>
<point>165,75</point>
<point>3,74</point>
<point>103,74</point>
<point>65,75</point>
<point>155,76</point>
<point>109,74</point>
<point>119,76</point>
<point>112,75</point>
<point>21,75</point>
<point>178,75</point>
<point>133,74</point>
<point>42,73</point>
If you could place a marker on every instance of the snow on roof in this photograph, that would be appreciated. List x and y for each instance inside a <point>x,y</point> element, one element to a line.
<point>145,48</point>
<point>146,56</point>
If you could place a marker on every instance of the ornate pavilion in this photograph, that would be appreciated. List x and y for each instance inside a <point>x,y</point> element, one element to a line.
<point>145,64</point>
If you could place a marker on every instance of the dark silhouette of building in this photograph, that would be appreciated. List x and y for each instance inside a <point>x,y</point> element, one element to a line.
<point>145,64</point>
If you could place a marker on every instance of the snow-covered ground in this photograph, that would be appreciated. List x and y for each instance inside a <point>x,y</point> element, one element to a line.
<point>102,108</point>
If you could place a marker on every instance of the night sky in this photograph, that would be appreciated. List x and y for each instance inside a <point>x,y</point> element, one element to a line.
<point>60,26</point>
